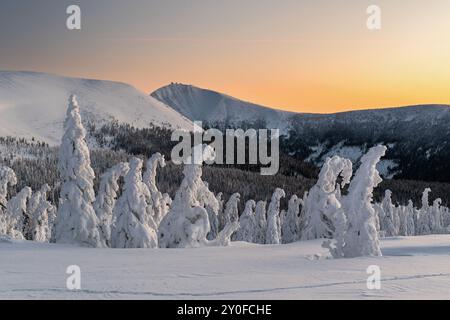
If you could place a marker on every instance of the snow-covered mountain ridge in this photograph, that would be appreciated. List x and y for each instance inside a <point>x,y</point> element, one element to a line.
<point>210,106</point>
<point>34,105</point>
<point>417,136</point>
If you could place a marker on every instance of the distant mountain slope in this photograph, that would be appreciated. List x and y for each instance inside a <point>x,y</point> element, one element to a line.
<point>34,105</point>
<point>210,106</point>
<point>418,136</point>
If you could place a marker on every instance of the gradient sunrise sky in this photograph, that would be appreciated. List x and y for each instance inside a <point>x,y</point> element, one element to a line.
<point>307,56</point>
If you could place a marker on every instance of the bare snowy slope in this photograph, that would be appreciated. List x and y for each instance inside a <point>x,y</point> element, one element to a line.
<point>34,105</point>
<point>210,106</point>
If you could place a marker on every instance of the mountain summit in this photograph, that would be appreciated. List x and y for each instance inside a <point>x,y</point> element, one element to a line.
<point>34,105</point>
<point>213,107</point>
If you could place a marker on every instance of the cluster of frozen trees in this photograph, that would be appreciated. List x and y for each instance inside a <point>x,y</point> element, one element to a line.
<point>398,220</point>
<point>129,211</point>
<point>351,222</point>
<point>27,215</point>
<point>348,221</point>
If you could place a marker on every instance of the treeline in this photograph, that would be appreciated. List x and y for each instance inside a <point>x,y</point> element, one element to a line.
<point>35,163</point>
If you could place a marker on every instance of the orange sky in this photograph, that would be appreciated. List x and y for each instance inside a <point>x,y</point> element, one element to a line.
<point>299,55</point>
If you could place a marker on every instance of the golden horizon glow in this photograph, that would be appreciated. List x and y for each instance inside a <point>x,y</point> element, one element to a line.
<point>296,55</point>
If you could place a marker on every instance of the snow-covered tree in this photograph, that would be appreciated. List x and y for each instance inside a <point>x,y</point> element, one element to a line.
<point>32,207</point>
<point>159,201</point>
<point>361,237</point>
<point>401,212</point>
<point>187,223</point>
<point>340,223</point>
<point>290,224</point>
<point>410,214</point>
<point>76,221</point>
<point>389,215</point>
<point>423,226</point>
<point>446,219</point>
<point>379,217</point>
<point>273,235</point>
<point>221,212</point>
<point>41,216</point>
<point>231,212</point>
<point>132,226</point>
<point>261,222</point>
<point>166,203</point>
<point>7,178</point>
<point>436,216</point>
<point>321,202</point>
<point>213,209</point>
<point>247,222</point>
<point>106,198</point>
<point>282,218</point>
<point>331,206</point>
<point>16,210</point>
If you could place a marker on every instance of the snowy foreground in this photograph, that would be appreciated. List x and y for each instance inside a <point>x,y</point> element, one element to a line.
<point>412,268</point>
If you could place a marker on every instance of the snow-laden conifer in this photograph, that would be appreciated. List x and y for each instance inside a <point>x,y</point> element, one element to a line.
<point>389,215</point>
<point>187,223</point>
<point>321,202</point>
<point>247,222</point>
<point>231,211</point>
<point>361,237</point>
<point>106,198</point>
<point>42,216</point>
<point>423,226</point>
<point>16,210</point>
<point>132,226</point>
<point>76,221</point>
<point>261,222</point>
<point>273,235</point>
<point>290,224</point>
<point>159,201</point>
